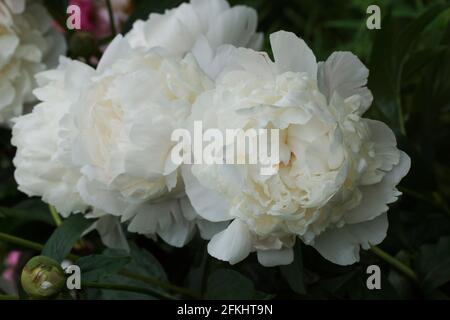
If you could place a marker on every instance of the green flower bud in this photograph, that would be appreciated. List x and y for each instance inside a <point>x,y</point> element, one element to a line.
<point>82,44</point>
<point>42,278</point>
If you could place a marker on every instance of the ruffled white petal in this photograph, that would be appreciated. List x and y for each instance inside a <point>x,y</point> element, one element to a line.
<point>178,29</point>
<point>28,45</point>
<point>376,197</point>
<point>345,74</point>
<point>342,245</point>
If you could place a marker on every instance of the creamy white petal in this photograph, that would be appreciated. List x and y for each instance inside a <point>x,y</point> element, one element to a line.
<point>235,26</point>
<point>210,229</point>
<point>346,75</point>
<point>233,244</point>
<point>117,49</point>
<point>272,258</point>
<point>179,29</point>
<point>27,45</point>
<point>292,54</point>
<point>209,204</point>
<point>111,233</point>
<point>342,245</point>
<point>375,198</point>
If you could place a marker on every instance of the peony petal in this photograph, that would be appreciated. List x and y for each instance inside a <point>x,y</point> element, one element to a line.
<point>98,196</point>
<point>233,244</point>
<point>235,26</point>
<point>346,75</point>
<point>111,233</point>
<point>209,204</point>
<point>272,258</point>
<point>376,197</point>
<point>164,219</point>
<point>208,10</point>
<point>256,63</point>
<point>179,232</point>
<point>117,49</point>
<point>16,6</point>
<point>9,44</point>
<point>149,217</point>
<point>292,54</point>
<point>210,229</point>
<point>342,245</point>
<point>212,62</point>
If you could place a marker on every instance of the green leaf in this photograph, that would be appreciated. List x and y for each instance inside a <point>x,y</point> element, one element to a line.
<point>390,51</point>
<point>142,263</point>
<point>337,284</point>
<point>98,266</point>
<point>228,284</point>
<point>29,210</point>
<point>433,264</point>
<point>293,273</point>
<point>62,240</point>
<point>353,285</point>
<point>196,275</point>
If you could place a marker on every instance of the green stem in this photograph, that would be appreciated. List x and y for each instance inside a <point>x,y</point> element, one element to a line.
<point>120,287</point>
<point>111,17</point>
<point>55,215</point>
<point>8,297</point>
<point>394,262</point>
<point>21,242</point>
<point>146,279</point>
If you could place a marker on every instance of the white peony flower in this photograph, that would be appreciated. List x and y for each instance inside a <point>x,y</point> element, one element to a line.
<point>43,165</point>
<point>28,44</point>
<point>179,29</point>
<point>122,144</point>
<point>100,140</point>
<point>337,170</point>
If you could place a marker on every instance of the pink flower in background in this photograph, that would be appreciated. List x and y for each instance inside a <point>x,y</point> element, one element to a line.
<point>11,261</point>
<point>95,18</point>
<point>7,279</point>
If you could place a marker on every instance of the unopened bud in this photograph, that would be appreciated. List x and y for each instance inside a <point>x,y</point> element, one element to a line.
<point>42,278</point>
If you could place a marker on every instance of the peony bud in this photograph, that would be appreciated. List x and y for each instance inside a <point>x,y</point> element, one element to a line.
<point>42,278</point>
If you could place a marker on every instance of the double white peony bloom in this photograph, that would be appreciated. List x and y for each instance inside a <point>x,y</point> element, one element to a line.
<point>28,45</point>
<point>337,170</point>
<point>100,143</point>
